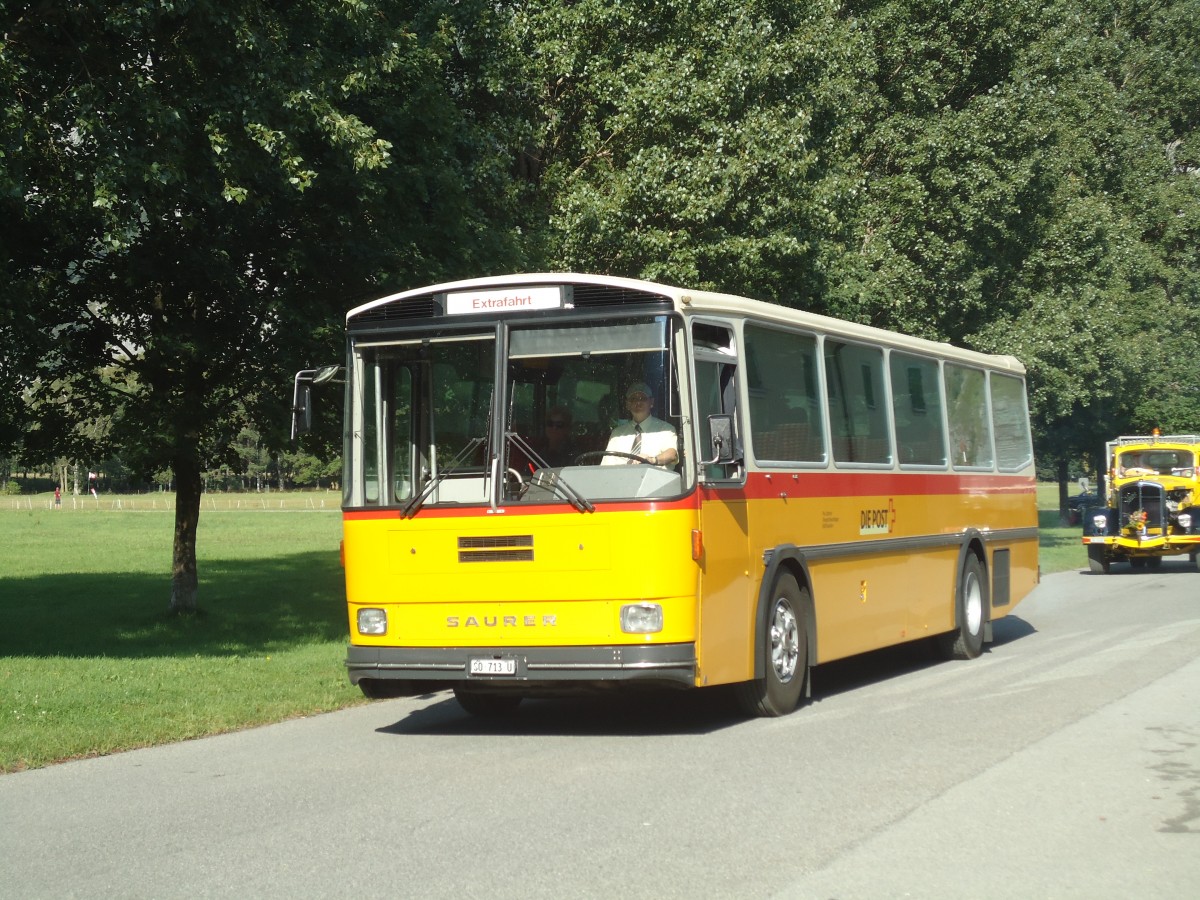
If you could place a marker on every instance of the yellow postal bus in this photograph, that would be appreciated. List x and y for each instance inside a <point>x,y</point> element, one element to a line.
<point>561,482</point>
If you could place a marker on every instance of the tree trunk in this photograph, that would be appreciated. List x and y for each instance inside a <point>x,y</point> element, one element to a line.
<point>1064,515</point>
<point>187,517</point>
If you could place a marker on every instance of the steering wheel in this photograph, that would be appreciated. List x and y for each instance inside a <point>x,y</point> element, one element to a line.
<point>600,454</point>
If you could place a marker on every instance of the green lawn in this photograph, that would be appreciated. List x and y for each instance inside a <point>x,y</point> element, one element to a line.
<point>1060,548</point>
<point>91,663</point>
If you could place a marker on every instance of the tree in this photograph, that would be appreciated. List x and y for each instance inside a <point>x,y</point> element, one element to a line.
<point>194,193</point>
<point>1020,178</point>
<point>1104,311</point>
<point>698,143</point>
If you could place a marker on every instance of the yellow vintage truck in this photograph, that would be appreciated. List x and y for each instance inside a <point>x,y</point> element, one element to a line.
<point>1152,502</point>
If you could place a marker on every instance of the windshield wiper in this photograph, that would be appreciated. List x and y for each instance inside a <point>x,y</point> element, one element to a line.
<point>555,482</point>
<point>412,506</point>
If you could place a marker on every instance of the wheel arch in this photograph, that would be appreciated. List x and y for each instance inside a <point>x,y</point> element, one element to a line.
<point>975,545</point>
<point>785,559</point>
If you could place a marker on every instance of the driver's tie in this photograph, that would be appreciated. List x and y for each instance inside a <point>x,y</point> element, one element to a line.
<point>636,449</point>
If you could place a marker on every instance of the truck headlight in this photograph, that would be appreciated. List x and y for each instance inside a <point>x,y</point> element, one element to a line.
<point>372,621</point>
<point>1100,523</point>
<point>642,618</point>
<point>1185,521</point>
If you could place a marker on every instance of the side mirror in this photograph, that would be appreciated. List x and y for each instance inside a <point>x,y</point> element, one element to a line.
<point>720,429</point>
<point>301,409</point>
<point>302,395</point>
<point>327,373</point>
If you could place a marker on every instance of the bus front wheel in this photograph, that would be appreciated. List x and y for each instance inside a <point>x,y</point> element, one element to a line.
<point>785,648</point>
<point>966,641</point>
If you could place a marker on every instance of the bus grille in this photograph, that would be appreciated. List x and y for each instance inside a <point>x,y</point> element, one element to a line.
<point>423,307</point>
<point>590,296</point>
<point>500,548</point>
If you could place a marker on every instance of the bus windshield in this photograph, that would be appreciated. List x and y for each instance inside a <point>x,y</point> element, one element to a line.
<point>430,409</point>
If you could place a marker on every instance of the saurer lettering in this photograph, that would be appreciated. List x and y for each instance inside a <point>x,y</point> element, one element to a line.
<point>543,621</point>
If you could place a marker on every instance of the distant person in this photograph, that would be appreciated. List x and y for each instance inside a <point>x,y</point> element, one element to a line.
<point>557,446</point>
<point>57,497</point>
<point>649,439</point>
<point>92,485</point>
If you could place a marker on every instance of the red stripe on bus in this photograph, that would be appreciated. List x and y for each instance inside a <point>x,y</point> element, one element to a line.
<point>525,509</point>
<point>769,485</point>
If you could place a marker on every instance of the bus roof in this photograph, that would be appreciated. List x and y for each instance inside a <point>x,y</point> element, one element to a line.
<point>697,302</point>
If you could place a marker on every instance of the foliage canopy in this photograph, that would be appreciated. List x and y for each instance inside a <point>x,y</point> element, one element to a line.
<point>195,191</point>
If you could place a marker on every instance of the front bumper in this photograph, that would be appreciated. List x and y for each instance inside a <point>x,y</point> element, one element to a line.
<point>1148,545</point>
<point>666,664</point>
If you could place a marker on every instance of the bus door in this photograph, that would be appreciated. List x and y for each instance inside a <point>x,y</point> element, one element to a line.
<point>727,588</point>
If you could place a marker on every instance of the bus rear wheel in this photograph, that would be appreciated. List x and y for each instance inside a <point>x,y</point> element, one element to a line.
<point>487,705</point>
<point>966,641</point>
<point>785,648</point>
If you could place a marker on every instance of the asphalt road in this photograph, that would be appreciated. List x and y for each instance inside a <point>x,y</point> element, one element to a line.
<point>1065,762</point>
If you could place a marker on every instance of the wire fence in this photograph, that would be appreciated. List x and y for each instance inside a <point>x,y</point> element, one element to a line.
<point>273,501</point>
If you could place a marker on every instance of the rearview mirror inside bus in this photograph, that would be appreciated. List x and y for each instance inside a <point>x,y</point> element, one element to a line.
<point>720,430</point>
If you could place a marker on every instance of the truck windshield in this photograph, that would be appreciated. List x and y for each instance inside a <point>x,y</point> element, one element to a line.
<point>1140,463</point>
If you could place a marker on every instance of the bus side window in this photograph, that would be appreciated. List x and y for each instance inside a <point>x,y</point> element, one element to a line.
<point>967,415</point>
<point>917,411</point>
<point>785,418</point>
<point>716,386</point>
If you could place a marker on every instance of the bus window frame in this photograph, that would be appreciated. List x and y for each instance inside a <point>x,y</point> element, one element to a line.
<point>885,403</point>
<point>940,387</point>
<point>821,425</point>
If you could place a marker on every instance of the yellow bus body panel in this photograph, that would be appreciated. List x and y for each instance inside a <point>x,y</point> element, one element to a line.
<point>584,568</point>
<point>873,595</point>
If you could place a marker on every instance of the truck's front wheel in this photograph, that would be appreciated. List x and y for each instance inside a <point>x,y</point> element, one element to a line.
<point>1098,561</point>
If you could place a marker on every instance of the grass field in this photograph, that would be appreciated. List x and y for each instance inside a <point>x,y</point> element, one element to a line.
<point>91,663</point>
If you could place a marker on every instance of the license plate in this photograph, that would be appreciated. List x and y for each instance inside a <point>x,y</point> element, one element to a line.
<point>492,667</point>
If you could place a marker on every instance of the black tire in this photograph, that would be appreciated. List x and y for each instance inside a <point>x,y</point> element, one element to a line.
<point>1194,559</point>
<point>785,646</point>
<point>383,688</point>
<point>1137,562</point>
<point>487,705</point>
<point>1154,562</point>
<point>966,641</point>
<point>1098,561</point>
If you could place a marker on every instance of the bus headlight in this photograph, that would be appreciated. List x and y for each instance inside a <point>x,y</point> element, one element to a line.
<point>1100,523</point>
<point>372,621</point>
<point>642,618</point>
<point>1185,521</point>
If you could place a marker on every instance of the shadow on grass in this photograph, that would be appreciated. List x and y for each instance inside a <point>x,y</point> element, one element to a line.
<point>246,606</point>
<point>1052,533</point>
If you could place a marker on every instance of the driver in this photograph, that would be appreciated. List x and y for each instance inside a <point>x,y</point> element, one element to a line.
<point>649,439</point>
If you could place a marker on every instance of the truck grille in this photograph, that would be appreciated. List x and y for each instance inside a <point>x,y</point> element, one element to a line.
<point>1144,497</point>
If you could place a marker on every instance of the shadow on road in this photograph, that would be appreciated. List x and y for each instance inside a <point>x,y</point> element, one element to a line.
<point>696,712</point>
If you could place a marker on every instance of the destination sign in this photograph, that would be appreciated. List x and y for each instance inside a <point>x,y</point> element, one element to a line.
<point>503,300</point>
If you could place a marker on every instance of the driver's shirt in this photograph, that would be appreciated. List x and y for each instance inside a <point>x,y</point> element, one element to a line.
<point>657,436</point>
